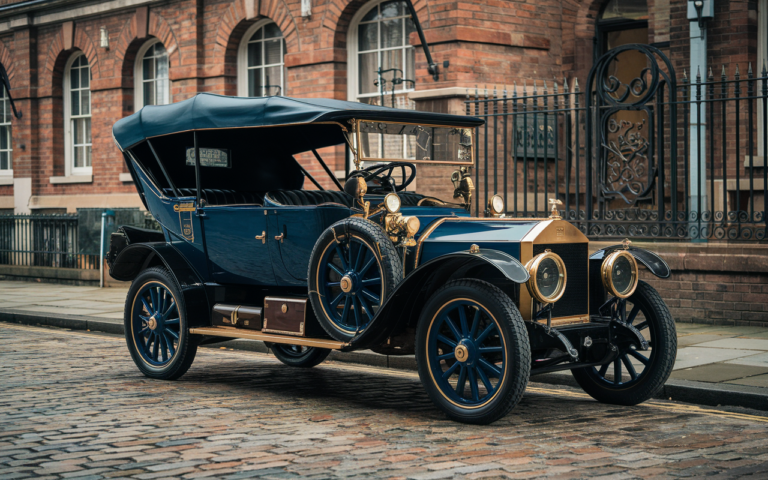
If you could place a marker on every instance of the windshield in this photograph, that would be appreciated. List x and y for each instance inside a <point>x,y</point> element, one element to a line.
<point>389,141</point>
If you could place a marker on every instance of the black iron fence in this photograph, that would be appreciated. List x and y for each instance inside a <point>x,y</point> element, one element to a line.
<point>640,154</point>
<point>44,241</point>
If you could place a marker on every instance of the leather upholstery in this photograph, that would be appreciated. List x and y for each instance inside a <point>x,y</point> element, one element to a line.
<point>214,196</point>
<point>309,197</point>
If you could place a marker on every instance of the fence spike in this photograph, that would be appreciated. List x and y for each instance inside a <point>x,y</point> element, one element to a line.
<point>710,77</point>
<point>736,75</point>
<point>565,84</point>
<point>685,75</point>
<point>576,85</point>
<point>504,93</point>
<point>477,94</point>
<point>698,74</point>
<point>749,70</point>
<point>545,87</point>
<point>485,92</point>
<point>514,92</point>
<point>764,73</point>
<point>495,95</point>
<point>467,94</point>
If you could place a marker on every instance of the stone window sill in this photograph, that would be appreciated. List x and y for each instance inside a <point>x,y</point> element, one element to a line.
<point>72,179</point>
<point>756,162</point>
<point>125,177</point>
<point>6,179</point>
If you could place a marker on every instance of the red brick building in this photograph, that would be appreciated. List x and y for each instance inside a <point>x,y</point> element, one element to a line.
<point>78,66</point>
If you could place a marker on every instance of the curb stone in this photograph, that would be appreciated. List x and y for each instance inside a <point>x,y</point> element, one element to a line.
<point>699,393</point>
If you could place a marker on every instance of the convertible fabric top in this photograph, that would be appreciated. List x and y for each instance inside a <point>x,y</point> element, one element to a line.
<point>207,111</point>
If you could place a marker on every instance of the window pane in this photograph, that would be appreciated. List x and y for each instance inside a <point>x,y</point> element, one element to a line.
<point>74,77</point>
<point>366,66</point>
<point>148,69</point>
<point>85,77</point>
<point>254,82</point>
<point>78,160</point>
<point>162,93</point>
<point>366,36</point>
<point>271,31</point>
<point>162,66</point>
<point>392,33</point>
<point>4,161</point>
<point>75,102</point>
<point>409,28</point>
<point>87,130</point>
<point>4,134</point>
<point>392,9</point>
<point>392,59</point>
<point>254,54</point>
<point>85,97</point>
<point>272,81</point>
<point>88,156</point>
<point>410,66</point>
<point>149,93</point>
<point>372,15</point>
<point>272,52</point>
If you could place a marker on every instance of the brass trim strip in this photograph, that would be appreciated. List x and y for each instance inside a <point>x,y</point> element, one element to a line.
<point>268,337</point>
<point>566,320</point>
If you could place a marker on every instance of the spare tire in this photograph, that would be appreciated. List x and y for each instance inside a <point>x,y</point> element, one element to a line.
<point>353,269</point>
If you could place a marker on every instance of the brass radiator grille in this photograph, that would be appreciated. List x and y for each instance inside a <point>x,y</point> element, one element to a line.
<point>575,300</point>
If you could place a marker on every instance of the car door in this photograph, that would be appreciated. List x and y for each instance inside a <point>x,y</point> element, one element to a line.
<point>237,239</point>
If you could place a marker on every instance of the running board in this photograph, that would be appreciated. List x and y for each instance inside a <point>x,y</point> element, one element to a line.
<point>268,337</point>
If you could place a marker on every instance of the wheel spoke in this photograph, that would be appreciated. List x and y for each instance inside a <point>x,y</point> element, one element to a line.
<point>603,370</point>
<point>149,340</point>
<point>171,308</point>
<point>475,324</point>
<point>633,314</point>
<point>641,358</point>
<point>172,333</point>
<point>160,300</point>
<point>336,300</point>
<point>492,369</point>
<point>169,342</point>
<point>452,327</point>
<point>446,356</point>
<point>155,347</point>
<point>462,381</point>
<point>172,321</point>
<point>360,254</point>
<point>641,326</point>
<point>463,321</point>
<point>367,306</point>
<point>333,284</point>
<point>630,367</point>
<point>367,266</point>
<point>335,269</point>
<point>146,306</point>
<point>485,380</point>
<point>617,372</point>
<point>445,340</point>
<point>479,340</point>
<point>473,384</point>
<point>152,301</point>
<point>341,258</point>
<point>450,371</point>
<point>163,352</point>
<point>367,293</point>
<point>345,312</point>
<point>372,281</point>
<point>356,305</point>
<point>490,349</point>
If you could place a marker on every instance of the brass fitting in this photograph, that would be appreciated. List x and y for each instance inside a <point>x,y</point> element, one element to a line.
<point>463,186</point>
<point>398,226</point>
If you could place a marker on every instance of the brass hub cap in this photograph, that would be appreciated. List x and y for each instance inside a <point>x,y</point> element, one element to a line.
<point>152,323</point>
<point>346,284</point>
<point>461,353</point>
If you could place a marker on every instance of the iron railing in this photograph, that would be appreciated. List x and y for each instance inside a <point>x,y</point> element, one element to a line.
<point>44,241</point>
<point>647,156</point>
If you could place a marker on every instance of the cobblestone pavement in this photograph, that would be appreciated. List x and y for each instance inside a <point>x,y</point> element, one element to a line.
<point>73,405</point>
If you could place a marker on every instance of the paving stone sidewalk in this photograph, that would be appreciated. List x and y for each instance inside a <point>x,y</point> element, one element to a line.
<point>716,356</point>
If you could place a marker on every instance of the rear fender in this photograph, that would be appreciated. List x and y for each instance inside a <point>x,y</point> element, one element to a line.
<point>404,306</point>
<point>137,257</point>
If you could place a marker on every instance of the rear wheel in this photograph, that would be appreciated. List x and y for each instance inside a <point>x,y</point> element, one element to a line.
<point>635,376</point>
<point>472,351</point>
<point>299,356</point>
<point>156,329</point>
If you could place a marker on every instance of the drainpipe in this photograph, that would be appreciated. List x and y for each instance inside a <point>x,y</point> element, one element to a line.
<point>698,11</point>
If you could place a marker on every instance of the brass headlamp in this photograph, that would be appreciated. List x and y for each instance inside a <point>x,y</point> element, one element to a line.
<point>619,273</point>
<point>547,277</point>
<point>401,229</point>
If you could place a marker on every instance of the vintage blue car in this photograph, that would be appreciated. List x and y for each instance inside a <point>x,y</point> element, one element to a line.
<point>248,251</point>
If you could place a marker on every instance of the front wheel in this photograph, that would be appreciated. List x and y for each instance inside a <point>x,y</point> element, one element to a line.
<point>635,376</point>
<point>472,351</point>
<point>156,328</point>
<point>298,356</point>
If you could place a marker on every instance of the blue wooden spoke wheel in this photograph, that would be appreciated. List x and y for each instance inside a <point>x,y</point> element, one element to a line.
<point>472,351</point>
<point>297,355</point>
<point>155,326</point>
<point>354,267</point>
<point>635,376</point>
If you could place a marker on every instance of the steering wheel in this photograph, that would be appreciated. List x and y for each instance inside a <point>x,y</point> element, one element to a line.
<point>380,180</point>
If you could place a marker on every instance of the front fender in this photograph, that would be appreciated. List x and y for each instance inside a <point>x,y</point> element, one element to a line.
<point>652,261</point>
<point>138,256</point>
<point>404,305</point>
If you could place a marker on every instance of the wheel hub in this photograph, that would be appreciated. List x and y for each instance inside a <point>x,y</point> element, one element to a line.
<point>462,353</point>
<point>346,284</point>
<point>152,323</point>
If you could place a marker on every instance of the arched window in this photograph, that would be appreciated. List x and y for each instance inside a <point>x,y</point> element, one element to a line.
<point>77,115</point>
<point>6,150</point>
<point>622,22</point>
<point>260,61</point>
<point>151,75</point>
<point>378,42</point>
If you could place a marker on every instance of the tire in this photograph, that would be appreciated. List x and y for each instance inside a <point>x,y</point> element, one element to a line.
<point>490,322</point>
<point>298,356</point>
<point>656,368</point>
<point>160,345</point>
<point>359,251</point>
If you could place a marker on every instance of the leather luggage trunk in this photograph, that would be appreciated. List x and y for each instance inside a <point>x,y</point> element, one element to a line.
<point>289,316</point>
<point>239,316</point>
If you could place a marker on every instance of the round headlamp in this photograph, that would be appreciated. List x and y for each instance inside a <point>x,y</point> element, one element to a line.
<point>392,203</point>
<point>547,277</point>
<point>496,204</point>
<point>619,274</point>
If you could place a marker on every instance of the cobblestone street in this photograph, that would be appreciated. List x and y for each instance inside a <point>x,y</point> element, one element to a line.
<point>73,405</point>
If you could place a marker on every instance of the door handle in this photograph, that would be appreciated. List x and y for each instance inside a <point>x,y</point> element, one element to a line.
<point>262,237</point>
<point>280,237</point>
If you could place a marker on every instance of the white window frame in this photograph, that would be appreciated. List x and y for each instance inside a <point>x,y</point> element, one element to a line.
<point>69,158</point>
<point>352,63</point>
<point>5,121</point>
<point>138,77</point>
<point>762,59</point>
<point>242,58</point>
